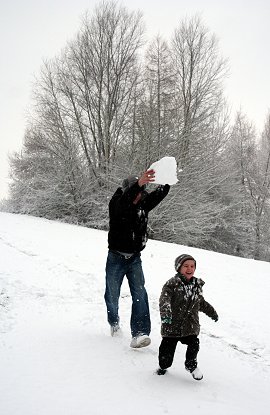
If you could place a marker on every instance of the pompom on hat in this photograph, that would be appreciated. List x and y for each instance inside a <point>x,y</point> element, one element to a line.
<point>181,259</point>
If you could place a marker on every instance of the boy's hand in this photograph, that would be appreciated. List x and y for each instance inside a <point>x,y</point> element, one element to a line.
<point>166,320</point>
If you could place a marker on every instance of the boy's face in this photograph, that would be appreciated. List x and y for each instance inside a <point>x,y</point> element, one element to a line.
<point>187,269</point>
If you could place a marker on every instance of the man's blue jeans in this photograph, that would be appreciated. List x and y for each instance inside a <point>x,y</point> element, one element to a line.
<point>117,267</point>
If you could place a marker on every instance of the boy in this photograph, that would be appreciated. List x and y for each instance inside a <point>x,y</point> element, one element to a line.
<point>180,302</point>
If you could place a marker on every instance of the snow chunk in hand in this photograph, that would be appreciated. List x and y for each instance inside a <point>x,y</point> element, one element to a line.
<point>165,171</point>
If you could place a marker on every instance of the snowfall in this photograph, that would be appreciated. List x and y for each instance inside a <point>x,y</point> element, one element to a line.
<point>56,352</point>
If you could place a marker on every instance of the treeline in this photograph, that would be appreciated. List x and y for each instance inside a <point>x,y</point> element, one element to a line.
<point>111,104</point>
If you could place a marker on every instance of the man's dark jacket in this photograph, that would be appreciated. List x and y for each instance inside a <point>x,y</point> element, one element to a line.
<point>128,222</point>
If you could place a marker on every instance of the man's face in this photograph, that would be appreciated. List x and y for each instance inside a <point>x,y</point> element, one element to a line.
<point>187,269</point>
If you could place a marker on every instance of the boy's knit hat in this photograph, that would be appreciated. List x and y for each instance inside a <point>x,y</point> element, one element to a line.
<point>181,259</point>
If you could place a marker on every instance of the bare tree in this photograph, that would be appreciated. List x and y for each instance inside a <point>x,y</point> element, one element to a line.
<point>199,75</point>
<point>103,63</point>
<point>159,91</point>
<point>199,129</point>
<point>259,188</point>
<point>241,193</point>
<point>82,102</point>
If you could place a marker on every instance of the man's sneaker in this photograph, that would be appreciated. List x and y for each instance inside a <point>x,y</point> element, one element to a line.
<point>115,330</point>
<point>161,371</point>
<point>197,374</point>
<point>140,341</point>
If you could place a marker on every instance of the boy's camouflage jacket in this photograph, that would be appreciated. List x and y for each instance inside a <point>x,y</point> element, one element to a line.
<point>180,302</point>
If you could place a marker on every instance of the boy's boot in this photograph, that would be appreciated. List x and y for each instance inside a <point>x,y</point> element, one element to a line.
<point>191,366</point>
<point>160,371</point>
<point>197,374</point>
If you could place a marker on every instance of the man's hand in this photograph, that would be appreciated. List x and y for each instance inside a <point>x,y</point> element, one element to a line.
<point>147,177</point>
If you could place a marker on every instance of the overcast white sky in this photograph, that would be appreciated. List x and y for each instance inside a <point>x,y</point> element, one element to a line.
<point>31,30</point>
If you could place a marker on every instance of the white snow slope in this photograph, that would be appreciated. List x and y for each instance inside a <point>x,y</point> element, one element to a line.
<point>57,356</point>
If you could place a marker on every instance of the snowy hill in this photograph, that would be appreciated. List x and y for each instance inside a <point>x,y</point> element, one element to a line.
<point>56,354</point>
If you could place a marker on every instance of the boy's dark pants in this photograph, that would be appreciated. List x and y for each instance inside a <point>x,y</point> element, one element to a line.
<point>167,350</point>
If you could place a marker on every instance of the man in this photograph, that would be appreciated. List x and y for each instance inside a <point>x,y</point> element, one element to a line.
<point>128,210</point>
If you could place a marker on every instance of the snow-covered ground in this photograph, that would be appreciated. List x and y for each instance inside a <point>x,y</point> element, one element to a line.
<point>57,356</point>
